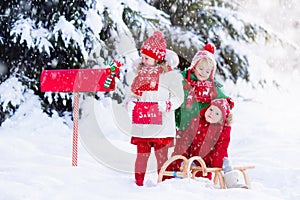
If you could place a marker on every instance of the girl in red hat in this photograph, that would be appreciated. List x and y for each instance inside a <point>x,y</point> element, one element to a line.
<point>209,138</point>
<point>158,90</point>
<point>200,88</point>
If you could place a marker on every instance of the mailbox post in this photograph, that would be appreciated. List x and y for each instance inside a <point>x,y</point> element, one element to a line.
<point>76,81</point>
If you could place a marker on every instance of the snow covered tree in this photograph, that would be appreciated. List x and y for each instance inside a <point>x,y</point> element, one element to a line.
<point>68,34</point>
<point>211,21</point>
<point>32,39</point>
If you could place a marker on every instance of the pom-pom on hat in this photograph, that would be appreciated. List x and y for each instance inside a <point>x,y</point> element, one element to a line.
<point>230,102</point>
<point>210,48</point>
<point>155,46</point>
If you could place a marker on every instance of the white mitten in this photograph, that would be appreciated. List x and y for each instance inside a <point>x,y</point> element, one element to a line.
<point>227,166</point>
<point>164,106</point>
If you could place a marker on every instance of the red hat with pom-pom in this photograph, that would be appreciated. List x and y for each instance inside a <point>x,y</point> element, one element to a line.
<point>155,46</point>
<point>207,52</point>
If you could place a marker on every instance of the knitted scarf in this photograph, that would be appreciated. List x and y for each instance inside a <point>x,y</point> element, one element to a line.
<point>201,91</point>
<point>147,79</point>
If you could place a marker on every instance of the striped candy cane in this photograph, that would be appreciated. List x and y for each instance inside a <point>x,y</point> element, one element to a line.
<point>114,69</point>
<point>75,129</point>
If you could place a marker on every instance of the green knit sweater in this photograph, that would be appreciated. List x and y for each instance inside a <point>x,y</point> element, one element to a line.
<point>183,115</point>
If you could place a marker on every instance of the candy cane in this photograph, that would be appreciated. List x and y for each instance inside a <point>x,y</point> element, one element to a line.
<point>114,69</point>
<point>75,129</point>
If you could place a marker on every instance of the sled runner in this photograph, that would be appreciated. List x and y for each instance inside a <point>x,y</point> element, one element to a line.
<point>189,170</point>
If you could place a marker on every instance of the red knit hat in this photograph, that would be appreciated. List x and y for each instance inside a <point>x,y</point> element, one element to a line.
<point>155,46</point>
<point>223,105</point>
<point>206,52</point>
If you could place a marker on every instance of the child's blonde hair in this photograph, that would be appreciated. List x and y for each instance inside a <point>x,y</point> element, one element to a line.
<point>205,61</point>
<point>206,54</point>
<point>163,64</point>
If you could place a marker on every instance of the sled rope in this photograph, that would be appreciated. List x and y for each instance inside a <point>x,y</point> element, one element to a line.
<point>75,129</point>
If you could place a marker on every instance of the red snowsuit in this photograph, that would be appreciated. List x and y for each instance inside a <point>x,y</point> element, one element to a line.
<point>210,141</point>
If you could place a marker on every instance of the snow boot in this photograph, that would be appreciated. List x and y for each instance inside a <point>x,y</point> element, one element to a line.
<point>139,179</point>
<point>231,176</point>
<point>232,181</point>
<point>139,182</point>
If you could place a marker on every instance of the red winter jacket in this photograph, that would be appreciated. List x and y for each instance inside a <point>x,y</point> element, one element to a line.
<point>211,143</point>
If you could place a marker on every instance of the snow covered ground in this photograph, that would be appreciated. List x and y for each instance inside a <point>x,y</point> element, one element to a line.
<point>36,150</point>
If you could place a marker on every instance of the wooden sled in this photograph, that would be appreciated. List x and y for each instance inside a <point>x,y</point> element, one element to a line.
<point>188,170</point>
<point>182,174</point>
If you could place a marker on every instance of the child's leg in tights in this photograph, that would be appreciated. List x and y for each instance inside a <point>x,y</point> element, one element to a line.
<point>161,154</point>
<point>143,153</point>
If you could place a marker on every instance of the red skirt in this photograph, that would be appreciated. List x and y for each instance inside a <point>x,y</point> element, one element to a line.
<point>169,141</point>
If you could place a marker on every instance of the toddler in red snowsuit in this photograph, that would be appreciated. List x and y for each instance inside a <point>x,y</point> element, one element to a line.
<point>213,135</point>
<point>208,137</point>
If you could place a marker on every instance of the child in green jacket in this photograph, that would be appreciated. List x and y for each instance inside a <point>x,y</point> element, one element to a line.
<point>200,87</point>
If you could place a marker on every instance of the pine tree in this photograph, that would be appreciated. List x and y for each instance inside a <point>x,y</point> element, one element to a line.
<point>51,51</point>
<point>205,19</point>
<point>187,26</point>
